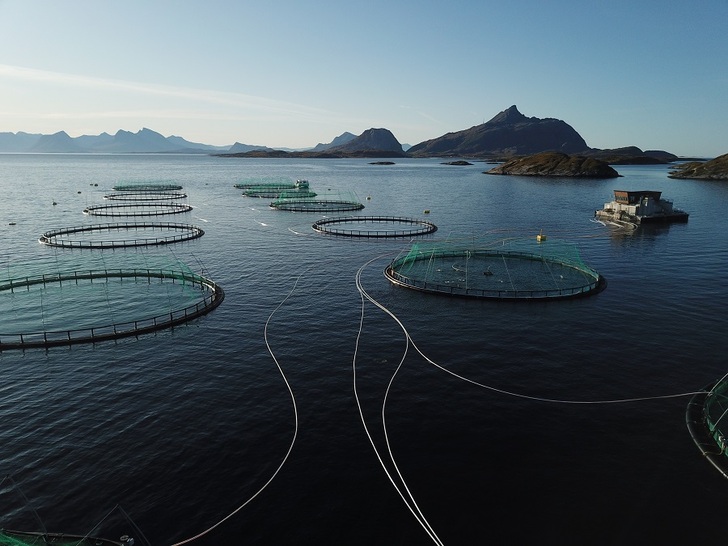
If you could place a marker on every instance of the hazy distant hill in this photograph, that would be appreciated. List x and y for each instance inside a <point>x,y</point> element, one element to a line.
<point>631,155</point>
<point>509,133</point>
<point>239,148</point>
<point>338,141</point>
<point>371,143</point>
<point>17,142</point>
<point>57,142</point>
<point>143,141</point>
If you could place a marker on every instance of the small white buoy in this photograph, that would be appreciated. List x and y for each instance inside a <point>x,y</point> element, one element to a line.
<point>540,237</point>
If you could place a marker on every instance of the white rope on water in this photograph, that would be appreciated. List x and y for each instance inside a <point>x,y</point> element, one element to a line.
<point>293,439</point>
<point>513,393</point>
<point>510,280</point>
<point>408,499</point>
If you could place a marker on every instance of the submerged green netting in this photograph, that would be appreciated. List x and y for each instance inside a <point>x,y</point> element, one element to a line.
<point>268,182</point>
<point>326,201</point>
<point>278,193</point>
<point>10,538</point>
<point>512,268</point>
<point>716,415</point>
<point>31,540</point>
<point>84,297</point>
<point>149,186</point>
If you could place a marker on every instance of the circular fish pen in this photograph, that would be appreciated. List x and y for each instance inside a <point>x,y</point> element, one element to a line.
<point>314,204</point>
<point>510,269</point>
<point>103,235</point>
<point>144,196</point>
<point>271,184</point>
<point>707,421</point>
<point>79,298</point>
<point>147,187</point>
<point>269,193</point>
<point>137,209</point>
<point>374,226</point>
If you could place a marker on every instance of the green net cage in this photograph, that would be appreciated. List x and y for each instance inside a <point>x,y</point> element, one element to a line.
<point>150,186</point>
<point>505,269</point>
<point>145,195</point>
<point>707,422</point>
<point>79,297</point>
<point>327,201</point>
<point>272,183</point>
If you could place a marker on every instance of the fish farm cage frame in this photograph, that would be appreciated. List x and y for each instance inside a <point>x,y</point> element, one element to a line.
<point>273,184</point>
<point>148,187</point>
<point>137,209</point>
<point>188,232</point>
<point>705,414</point>
<point>107,332</point>
<point>328,226</point>
<point>145,196</point>
<point>270,193</point>
<point>402,272</point>
<point>315,205</point>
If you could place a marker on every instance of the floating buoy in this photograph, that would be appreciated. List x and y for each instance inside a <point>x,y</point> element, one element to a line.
<point>426,211</point>
<point>79,192</point>
<point>369,197</point>
<point>11,224</point>
<point>54,203</point>
<point>540,237</point>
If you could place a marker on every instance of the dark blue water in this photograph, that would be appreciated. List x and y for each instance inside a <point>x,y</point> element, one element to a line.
<point>508,426</point>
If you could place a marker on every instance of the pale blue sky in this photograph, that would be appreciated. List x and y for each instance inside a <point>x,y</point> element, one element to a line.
<point>653,74</point>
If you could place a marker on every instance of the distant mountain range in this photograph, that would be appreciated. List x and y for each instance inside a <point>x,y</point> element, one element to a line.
<point>142,141</point>
<point>508,134</point>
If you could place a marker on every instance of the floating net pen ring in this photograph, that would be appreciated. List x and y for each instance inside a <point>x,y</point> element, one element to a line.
<point>494,274</point>
<point>213,296</point>
<point>706,421</point>
<point>137,209</point>
<point>147,187</point>
<point>278,193</point>
<point>315,205</point>
<point>175,233</point>
<point>410,227</point>
<point>144,196</point>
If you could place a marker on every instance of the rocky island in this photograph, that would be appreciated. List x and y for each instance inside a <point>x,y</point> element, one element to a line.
<point>715,169</point>
<point>556,164</point>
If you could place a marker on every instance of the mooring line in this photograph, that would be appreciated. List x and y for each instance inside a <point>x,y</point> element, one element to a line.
<point>408,499</point>
<point>295,428</point>
<point>517,394</point>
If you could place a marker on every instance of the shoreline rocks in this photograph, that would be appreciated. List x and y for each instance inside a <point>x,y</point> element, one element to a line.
<point>715,169</point>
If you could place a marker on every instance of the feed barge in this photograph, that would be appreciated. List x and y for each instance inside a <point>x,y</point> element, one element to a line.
<point>640,207</point>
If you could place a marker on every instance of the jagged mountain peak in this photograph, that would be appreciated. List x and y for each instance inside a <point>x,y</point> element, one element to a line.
<point>509,133</point>
<point>510,115</point>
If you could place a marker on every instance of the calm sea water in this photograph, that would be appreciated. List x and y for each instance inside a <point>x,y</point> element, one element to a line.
<point>299,409</point>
